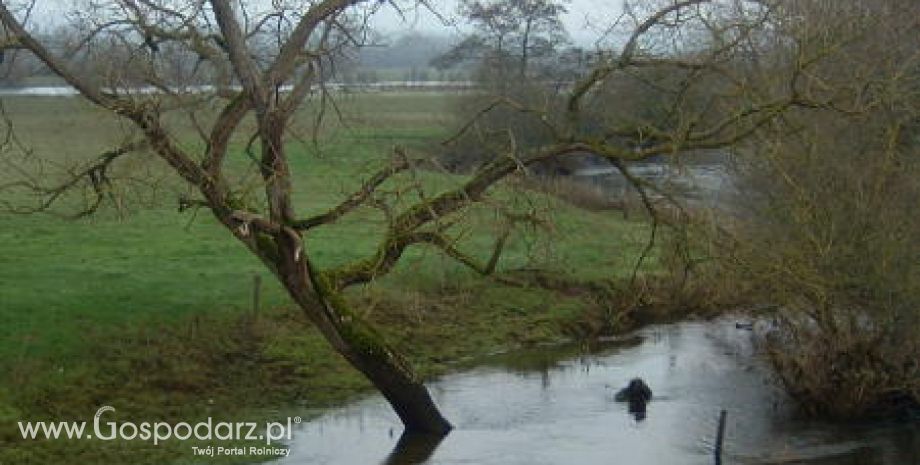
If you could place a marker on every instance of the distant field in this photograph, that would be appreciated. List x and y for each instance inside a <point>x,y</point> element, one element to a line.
<point>61,280</point>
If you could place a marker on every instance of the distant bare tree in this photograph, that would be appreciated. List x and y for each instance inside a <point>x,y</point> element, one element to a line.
<point>509,35</point>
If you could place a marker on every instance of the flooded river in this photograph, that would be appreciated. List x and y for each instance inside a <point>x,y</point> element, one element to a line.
<point>556,406</point>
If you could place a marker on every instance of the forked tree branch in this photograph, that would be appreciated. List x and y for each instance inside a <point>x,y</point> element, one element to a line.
<point>625,58</point>
<point>404,228</point>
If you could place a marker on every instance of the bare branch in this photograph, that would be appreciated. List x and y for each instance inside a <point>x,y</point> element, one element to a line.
<point>95,175</point>
<point>91,92</point>
<point>226,124</point>
<point>240,55</point>
<point>601,72</point>
<point>355,200</point>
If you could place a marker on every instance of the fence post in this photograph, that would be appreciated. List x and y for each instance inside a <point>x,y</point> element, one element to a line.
<point>256,293</point>
<point>720,437</point>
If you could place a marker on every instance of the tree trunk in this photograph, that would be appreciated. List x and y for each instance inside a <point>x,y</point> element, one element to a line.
<point>406,394</point>
<point>347,332</point>
<point>386,369</point>
<point>366,350</point>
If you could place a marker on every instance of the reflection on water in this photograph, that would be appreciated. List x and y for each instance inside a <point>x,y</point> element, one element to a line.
<point>534,407</point>
<point>412,449</point>
<point>701,185</point>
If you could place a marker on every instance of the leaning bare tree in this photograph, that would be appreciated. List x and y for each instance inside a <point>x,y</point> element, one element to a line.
<point>259,62</point>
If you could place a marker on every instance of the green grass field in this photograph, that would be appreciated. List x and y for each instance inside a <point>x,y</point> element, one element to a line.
<point>142,308</point>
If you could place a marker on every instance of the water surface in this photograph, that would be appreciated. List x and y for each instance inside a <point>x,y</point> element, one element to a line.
<point>550,406</point>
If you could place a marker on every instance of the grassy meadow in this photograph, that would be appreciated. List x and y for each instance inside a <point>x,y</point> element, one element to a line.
<point>147,309</point>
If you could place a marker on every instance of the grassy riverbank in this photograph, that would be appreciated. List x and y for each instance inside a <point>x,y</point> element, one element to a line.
<point>147,309</point>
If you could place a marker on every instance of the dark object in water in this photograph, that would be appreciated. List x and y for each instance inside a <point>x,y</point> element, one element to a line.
<point>747,326</point>
<point>636,390</point>
<point>637,394</point>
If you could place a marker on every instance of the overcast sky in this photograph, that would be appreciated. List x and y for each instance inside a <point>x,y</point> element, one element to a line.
<point>583,20</point>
